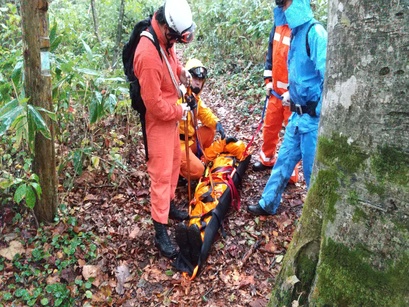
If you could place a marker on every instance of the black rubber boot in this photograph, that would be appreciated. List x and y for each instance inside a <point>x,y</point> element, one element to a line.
<point>258,167</point>
<point>195,242</point>
<point>183,241</point>
<point>162,241</point>
<point>176,214</point>
<point>257,210</point>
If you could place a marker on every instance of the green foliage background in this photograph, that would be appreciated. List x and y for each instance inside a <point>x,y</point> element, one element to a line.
<point>89,88</point>
<point>88,81</point>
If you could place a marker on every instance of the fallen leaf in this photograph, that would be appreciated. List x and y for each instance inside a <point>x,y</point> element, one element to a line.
<point>296,202</point>
<point>53,279</point>
<point>81,262</point>
<point>142,192</point>
<point>292,280</point>
<point>91,197</point>
<point>270,247</point>
<point>135,232</point>
<point>122,273</point>
<point>295,304</point>
<point>68,275</point>
<point>89,271</point>
<point>85,177</point>
<point>248,280</point>
<point>279,258</point>
<point>15,248</point>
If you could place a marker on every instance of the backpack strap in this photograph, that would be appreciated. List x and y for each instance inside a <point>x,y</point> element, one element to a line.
<point>150,33</point>
<point>172,76</point>
<point>306,37</point>
<point>152,36</point>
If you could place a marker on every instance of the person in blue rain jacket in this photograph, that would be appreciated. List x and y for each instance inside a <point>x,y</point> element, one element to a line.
<point>306,70</point>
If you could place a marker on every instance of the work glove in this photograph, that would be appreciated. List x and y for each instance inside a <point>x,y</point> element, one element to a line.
<point>286,99</point>
<point>220,130</point>
<point>231,139</point>
<point>185,109</point>
<point>269,87</point>
<point>191,102</point>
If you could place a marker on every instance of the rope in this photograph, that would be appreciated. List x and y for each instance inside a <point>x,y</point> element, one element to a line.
<point>258,128</point>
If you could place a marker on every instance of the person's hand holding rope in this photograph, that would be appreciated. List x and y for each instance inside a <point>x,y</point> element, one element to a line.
<point>191,101</point>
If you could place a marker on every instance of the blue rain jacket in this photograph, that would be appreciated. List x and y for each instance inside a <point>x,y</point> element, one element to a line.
<point>306,73</point>
<point>306,79</point>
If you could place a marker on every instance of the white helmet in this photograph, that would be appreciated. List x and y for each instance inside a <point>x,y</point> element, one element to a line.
<point>179,19</point>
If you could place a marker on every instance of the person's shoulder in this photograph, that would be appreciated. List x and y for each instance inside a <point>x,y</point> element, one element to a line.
<point>201,103</point>
<point>147,49</point>
<point>278,11</point>
<point>147,56</point>
<point>317,28</point>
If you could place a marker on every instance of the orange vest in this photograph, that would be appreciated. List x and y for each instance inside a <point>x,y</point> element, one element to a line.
<point>281,45</point>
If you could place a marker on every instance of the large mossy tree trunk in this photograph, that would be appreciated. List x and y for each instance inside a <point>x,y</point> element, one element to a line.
<point>37,85</point>
<point>351,246</point>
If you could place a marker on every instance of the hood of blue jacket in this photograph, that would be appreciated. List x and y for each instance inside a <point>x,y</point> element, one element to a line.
<point>298,13</point>
<point>279,17</point>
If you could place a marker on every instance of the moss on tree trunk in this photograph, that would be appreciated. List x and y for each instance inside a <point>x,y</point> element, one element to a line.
<point>351,247</point>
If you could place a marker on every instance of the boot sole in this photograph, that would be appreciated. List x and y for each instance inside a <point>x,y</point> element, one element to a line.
<point>182,240</point>
<point>195,242</point>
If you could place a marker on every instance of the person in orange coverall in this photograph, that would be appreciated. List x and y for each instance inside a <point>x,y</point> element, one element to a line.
<point>276,82</point>
<point>201,137</point>
<point>171,23</point>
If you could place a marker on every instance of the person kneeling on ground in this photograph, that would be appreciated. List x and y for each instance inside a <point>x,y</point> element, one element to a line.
<point>202,137</point>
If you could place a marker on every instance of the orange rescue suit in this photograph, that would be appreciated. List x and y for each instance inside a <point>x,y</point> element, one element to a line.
<point>162,116</point>
<point>276,115</point>
<point>204,134</point>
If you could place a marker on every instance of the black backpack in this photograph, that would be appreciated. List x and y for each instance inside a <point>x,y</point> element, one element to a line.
<point>127,58</point>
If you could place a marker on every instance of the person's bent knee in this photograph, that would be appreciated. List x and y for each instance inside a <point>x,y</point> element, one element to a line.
<point>197,173</point>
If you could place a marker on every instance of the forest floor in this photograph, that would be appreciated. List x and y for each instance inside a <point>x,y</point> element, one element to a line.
<point>127,269</point>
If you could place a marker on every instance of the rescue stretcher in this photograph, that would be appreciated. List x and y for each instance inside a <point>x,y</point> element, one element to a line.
<point>215,193</point>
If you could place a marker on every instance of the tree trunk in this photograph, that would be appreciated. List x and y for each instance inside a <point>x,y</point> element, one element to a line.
<point>95,19</point>
<point>118,50</point>
<point>351,247</point>
<point>96,31</point>
<point>37,84</point>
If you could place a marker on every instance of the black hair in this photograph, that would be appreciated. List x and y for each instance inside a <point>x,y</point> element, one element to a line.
<point>280,3</point>
<point>160,15</point>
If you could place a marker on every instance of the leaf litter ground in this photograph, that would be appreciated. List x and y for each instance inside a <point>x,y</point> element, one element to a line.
<point>128,271</point>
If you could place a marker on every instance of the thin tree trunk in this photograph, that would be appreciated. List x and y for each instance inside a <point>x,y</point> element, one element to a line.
<point>37,84</point>
<point>351,246</point>
<point>96,31</point>
<point>117,50</point>
<point>95,19</point>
